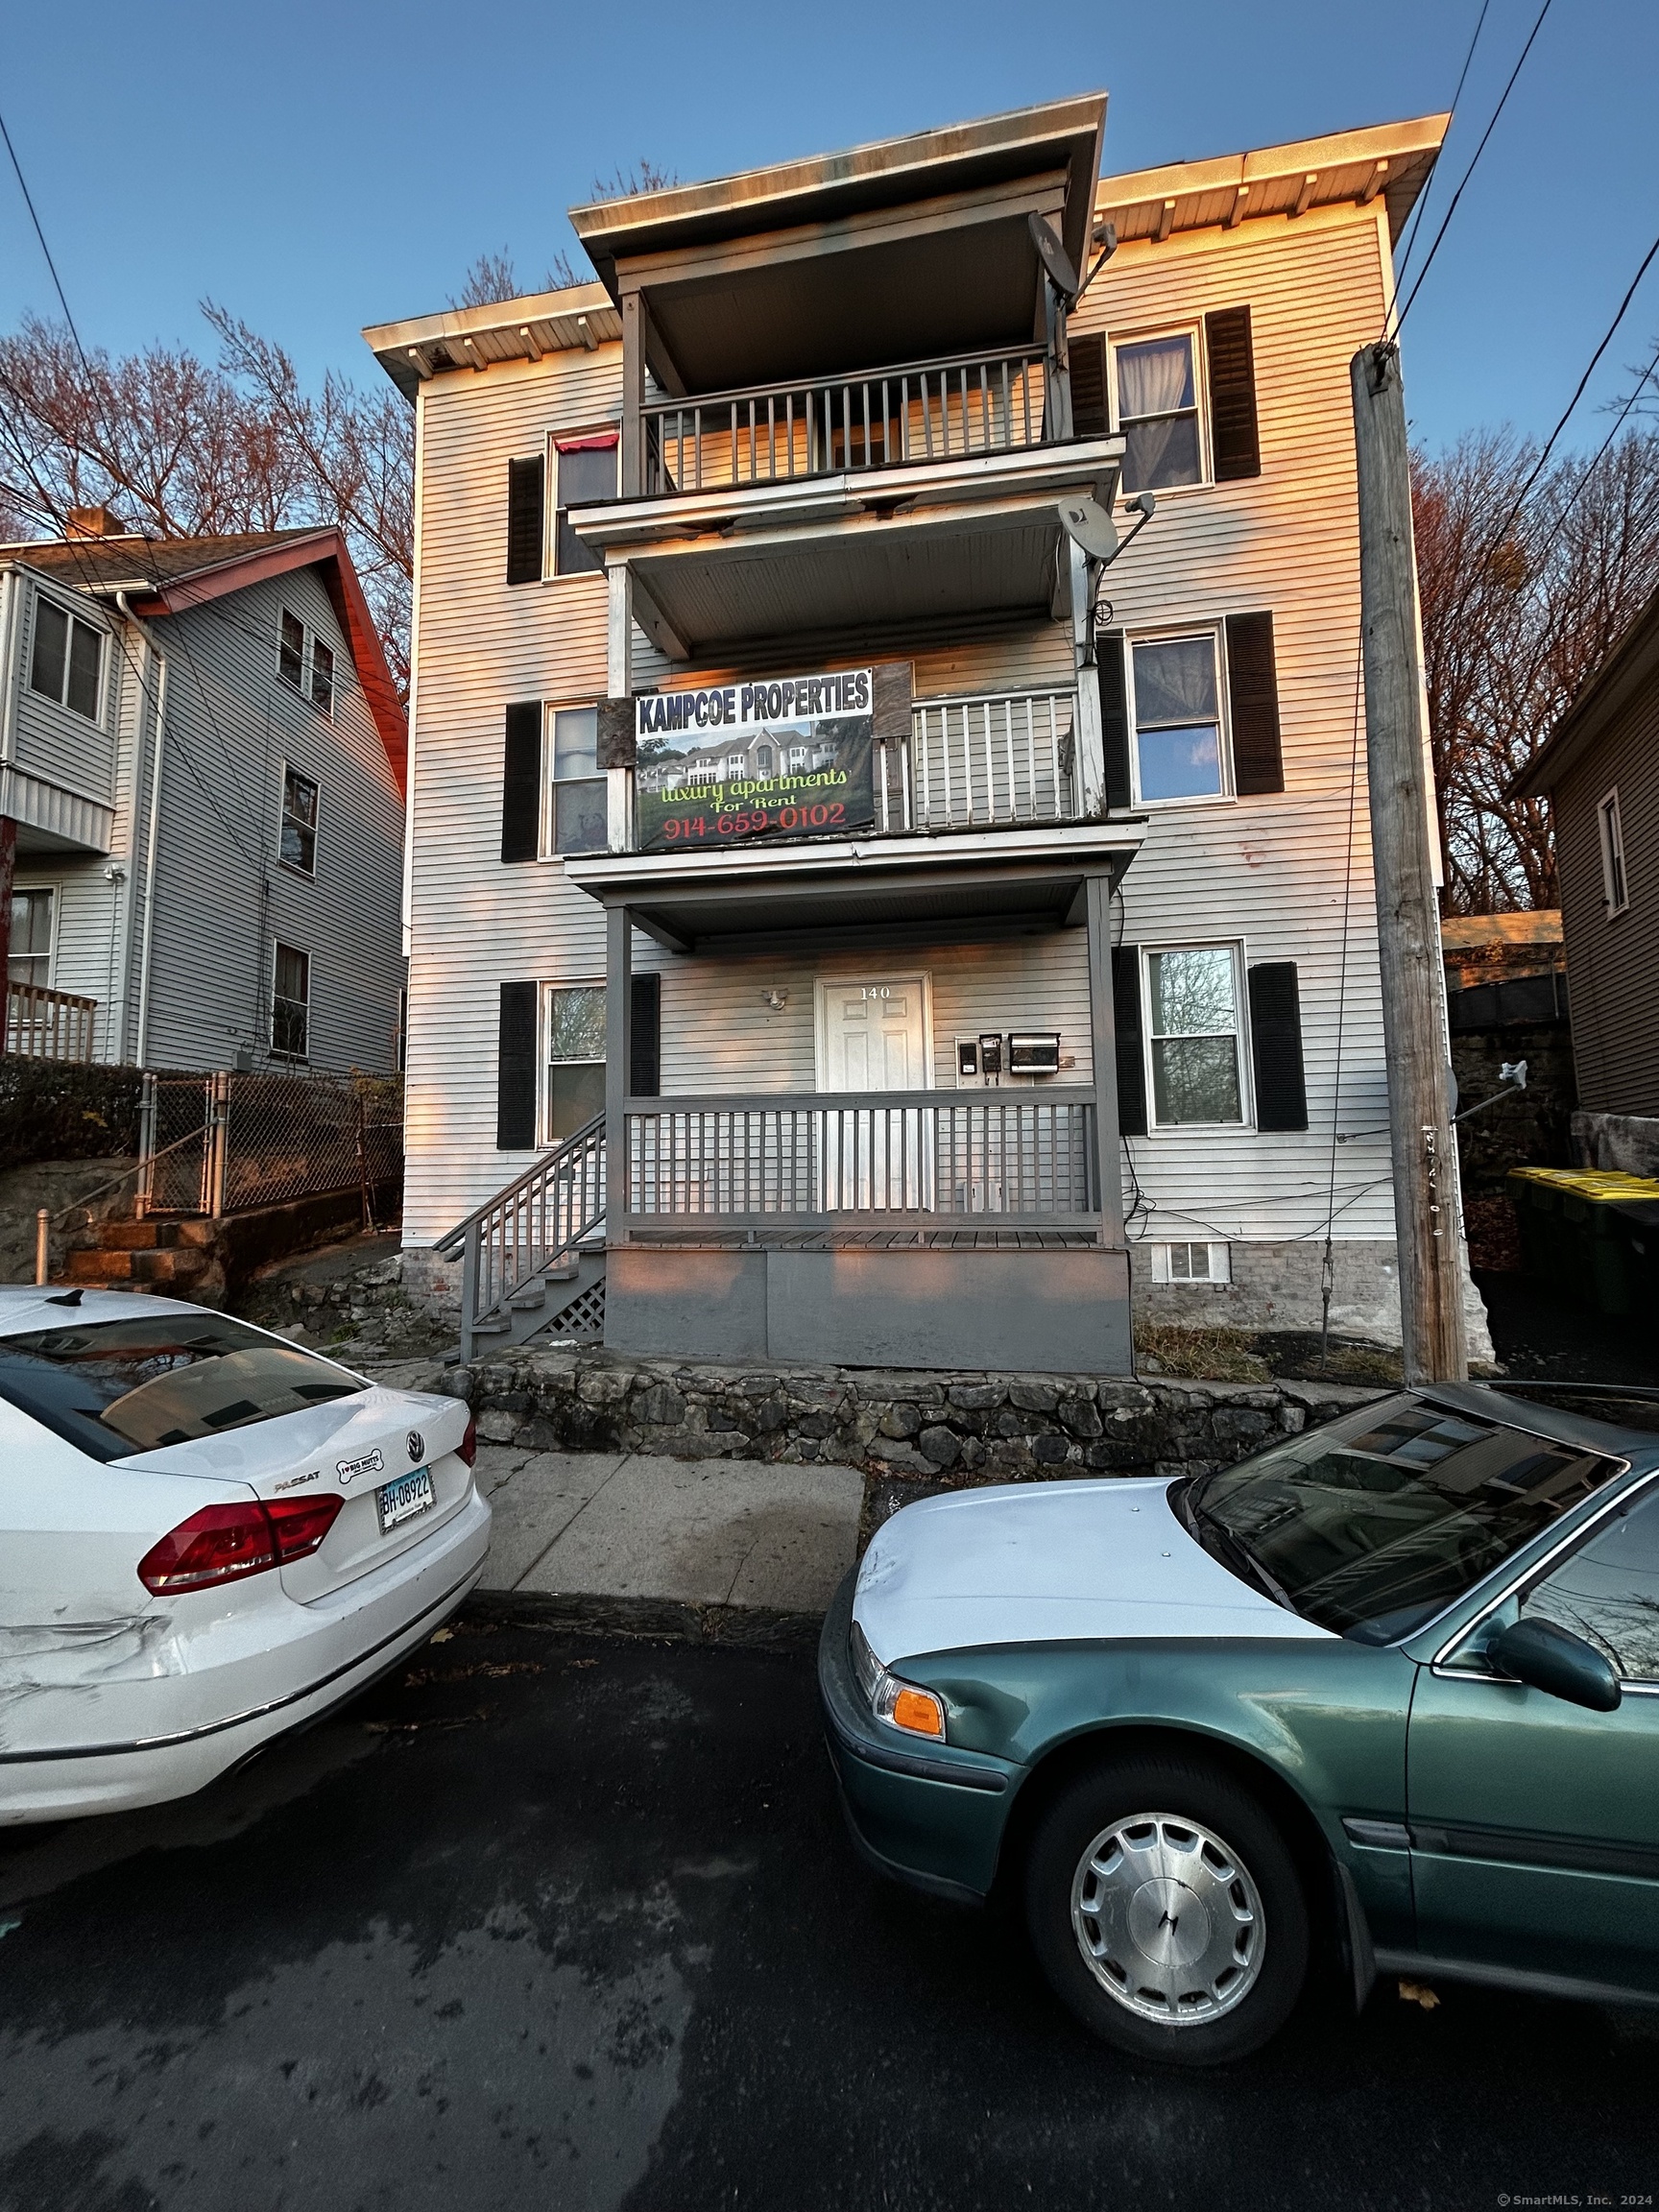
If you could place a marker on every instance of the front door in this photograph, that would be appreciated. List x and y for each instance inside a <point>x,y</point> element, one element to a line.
<point>875,1034</point>
<point>1535,1823</point>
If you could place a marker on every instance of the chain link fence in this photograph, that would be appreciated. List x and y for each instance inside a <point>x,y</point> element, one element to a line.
<point>228,1143</point>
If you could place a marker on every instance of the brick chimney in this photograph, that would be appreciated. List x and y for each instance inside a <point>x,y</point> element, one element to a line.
<point>93,522</point>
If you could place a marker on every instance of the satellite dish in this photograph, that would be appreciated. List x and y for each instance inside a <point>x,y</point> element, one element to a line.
<point>1052,255</point>
<point>1087,523</point>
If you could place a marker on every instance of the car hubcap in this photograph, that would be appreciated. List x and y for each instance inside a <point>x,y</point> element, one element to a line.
<point>1167,1919</point>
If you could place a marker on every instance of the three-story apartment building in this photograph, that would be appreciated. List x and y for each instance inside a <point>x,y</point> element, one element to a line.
<point>887,851</point>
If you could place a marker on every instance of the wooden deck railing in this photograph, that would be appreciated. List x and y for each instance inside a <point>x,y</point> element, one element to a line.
<point>946,410</point>
<point>1025,1156</point>
<point>1005,758</point>
<point>42,1024</point>
<point>530,1226</point>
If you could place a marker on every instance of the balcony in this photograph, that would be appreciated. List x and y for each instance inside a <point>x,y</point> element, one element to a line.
<point>922,411</point>
<point>998,761</point>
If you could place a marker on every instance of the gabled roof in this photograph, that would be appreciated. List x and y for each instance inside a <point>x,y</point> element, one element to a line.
<point>1628,670</point>
<point>164,576</point>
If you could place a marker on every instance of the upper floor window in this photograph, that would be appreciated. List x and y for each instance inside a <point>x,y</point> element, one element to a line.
<point>1176,717</point>
<point>303,660</point>
<point>577,817</point>
<point>1615,886</point>
<point>290,1004</point>
<point>1157,382</point>
<point>1194,1035</point>
<point>30,953</point>
<point>586,469</point>
<point>298,845</point>
<point>67,662</point>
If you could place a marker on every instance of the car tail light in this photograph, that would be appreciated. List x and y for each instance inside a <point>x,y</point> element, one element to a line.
<point>220,1543</point>
<point>300,1524</point>
<point>226,1543</point>
<point>467,1447</point>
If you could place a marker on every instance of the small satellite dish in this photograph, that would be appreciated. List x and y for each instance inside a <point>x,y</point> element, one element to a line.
<point>1053,257</point>
<point>1087,523</point>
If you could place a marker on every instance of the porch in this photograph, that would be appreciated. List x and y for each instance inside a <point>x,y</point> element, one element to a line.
<point>912,1224</point>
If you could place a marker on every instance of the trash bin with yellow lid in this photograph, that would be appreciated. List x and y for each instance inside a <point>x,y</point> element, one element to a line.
<point>1590,1235</point>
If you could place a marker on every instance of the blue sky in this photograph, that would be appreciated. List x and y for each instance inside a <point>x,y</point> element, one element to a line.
<point>321,167</point>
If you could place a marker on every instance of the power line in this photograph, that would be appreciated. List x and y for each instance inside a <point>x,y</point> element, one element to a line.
<point>1446,219</point>
<point>29,203</point>
<point>1417,212</point>
<point>1509,523</point>
<point>1601,453</point>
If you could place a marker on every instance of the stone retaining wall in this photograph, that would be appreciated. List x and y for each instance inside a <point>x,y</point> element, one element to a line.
<point>955,1428</point>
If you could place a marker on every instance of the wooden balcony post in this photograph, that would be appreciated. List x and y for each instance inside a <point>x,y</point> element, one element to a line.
<point>618,1075</point>
<point>633,395</point>
<point>1103,1051</point>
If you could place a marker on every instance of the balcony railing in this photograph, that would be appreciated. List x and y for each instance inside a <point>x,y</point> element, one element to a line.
<point>999,758</point>
<point>42,1024</point>
<point>816,1159</point>
<point>948,410</point>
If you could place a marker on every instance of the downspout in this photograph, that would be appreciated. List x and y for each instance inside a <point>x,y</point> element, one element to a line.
<point>158,662</point>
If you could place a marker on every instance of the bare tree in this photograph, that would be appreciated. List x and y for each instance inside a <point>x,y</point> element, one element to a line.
<point>643,176</point>
<point>490,277</point>
<point>1525,591</point>
<point>182,448</point>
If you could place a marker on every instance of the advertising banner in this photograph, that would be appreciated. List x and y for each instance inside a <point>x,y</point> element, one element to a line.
<point>740,761</point>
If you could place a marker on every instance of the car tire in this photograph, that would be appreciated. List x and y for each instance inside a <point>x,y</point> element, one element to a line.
<point>1166,1911</point>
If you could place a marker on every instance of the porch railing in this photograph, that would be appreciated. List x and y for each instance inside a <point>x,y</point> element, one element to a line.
<point>1001,758</point>
<point>946,410</point>
<point>1025,1156</point>
<point>530,1226</point>
<point>42,1024</point>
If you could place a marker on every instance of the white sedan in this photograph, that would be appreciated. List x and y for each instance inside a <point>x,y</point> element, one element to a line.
<point>208,1536</point>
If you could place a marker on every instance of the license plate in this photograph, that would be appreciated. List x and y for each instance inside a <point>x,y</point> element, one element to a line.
<point>401,1500</point>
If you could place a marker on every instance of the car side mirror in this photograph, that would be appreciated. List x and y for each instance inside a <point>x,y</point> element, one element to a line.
<point>1555,1661</point>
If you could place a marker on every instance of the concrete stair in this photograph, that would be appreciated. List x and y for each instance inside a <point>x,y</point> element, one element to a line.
<point>163,1256</point>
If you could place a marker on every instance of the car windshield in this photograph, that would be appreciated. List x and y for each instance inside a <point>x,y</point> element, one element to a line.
<point>1372,1525</point>
<point>114,1387</point>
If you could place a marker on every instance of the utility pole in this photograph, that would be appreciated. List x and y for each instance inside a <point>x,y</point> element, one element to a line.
<point>1425,1213</point>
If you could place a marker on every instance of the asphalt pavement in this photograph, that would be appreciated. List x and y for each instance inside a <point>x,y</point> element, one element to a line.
<point>553,1922</point>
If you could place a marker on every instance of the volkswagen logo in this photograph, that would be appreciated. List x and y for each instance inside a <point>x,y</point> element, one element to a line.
<point>417,1445</point>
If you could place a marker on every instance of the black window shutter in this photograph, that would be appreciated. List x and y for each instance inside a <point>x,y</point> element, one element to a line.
<point>525,521</point>
<point>1235,442</point>
<point>1253,698</point>
<point>646,1038</point>
<point>515,1070</point>
<point>1109,651</point>
<point>1131,1065</point>
<point>521,784</point>
<point>1089,416</point>
<point>1276,1046</point>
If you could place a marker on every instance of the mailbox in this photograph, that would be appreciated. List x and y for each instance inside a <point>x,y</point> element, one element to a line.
<point>991,1054</point>
<point>1033,1052</point>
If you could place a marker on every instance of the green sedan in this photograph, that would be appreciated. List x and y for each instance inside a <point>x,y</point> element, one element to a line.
<point>1387,1693</point>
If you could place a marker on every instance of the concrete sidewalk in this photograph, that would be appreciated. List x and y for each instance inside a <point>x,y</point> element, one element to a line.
<point>629,1529</point>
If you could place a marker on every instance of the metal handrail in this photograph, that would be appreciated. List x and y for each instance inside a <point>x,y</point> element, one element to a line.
<point>529,1226</point>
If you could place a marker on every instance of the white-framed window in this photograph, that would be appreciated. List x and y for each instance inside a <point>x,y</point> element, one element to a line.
<point>1156,391</point>
<point>584,470</point>
<point>1615,884</point>
<point>573,1057</point>
<point>31,952</point>
<point>297,847</point>
<point>304,662</point>
<point>290,1003</point>
<point>66,662</point>
<point>575,815</point>
<point>1194,1034</point>
<point>1203,1263</point>
<point>1176,717</point>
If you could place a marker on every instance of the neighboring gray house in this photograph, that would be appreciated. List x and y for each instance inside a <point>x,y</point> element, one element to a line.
<point>201,770</point>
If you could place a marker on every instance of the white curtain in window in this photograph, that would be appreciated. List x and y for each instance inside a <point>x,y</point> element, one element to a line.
<point>1154,379</point>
